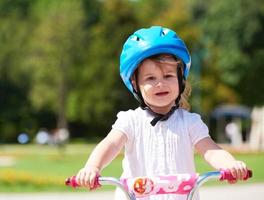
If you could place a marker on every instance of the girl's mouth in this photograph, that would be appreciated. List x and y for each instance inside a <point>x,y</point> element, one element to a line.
<point>162,93</point>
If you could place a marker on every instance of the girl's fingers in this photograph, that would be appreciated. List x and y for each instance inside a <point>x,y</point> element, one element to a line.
<point>245,174</point>
<point>83,178</point>
<point>87,178</point>
<point>94,180</point>
<point>78,178</point>
<point>242,170</point>
<point>93,177</point>
<point>239,170</point>
<point>240,174</point>
<point>234,172</point>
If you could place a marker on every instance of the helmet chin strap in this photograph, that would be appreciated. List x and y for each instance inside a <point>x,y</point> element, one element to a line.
<point>161,117</point>
<point>158,116</point>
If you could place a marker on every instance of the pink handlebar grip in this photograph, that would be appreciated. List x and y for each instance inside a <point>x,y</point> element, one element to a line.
<point>72,182</point>
<point>226,175</point>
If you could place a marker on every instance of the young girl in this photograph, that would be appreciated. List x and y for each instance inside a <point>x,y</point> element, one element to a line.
<point>159,136</point>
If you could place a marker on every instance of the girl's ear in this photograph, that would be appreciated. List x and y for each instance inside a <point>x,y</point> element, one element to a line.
<point>134,82</point>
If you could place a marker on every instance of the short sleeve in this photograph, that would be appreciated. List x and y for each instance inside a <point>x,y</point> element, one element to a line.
<point>197,128</point>
<point>124,123</point>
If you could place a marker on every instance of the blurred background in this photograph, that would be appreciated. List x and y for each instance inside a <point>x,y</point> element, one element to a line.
<point>60,88</point>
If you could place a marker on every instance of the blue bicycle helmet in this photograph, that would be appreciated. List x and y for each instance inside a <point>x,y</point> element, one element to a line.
<point>149,42</point>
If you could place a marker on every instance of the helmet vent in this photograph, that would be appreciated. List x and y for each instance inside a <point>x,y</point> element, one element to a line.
<point>135,38</point>
<point>164,32</point>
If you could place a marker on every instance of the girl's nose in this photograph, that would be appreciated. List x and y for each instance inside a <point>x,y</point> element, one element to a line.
<point>160,82</point>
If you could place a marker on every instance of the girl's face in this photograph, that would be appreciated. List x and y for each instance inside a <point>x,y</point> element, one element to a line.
<point>158,83</point>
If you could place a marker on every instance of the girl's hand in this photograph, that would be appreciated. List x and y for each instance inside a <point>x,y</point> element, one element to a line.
<point>238,170</point>
<point>88,177</point>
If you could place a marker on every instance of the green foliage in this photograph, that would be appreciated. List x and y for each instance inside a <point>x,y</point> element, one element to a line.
<point>54,46</point>
<point>230,34</point>
<point>59,60</point>
<point>15,109</point>
<point>251,83</point>
<point>226,29</point>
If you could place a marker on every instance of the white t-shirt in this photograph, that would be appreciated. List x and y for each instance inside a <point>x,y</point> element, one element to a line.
<point>166,148</point>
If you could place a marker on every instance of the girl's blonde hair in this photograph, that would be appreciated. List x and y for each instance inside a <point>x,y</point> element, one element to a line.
<point>185,97</point>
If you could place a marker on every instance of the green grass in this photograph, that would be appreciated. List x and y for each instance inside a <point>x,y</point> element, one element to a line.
<point>44,168</point>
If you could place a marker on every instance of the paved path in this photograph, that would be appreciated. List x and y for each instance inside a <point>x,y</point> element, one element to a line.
<point>231,192</point>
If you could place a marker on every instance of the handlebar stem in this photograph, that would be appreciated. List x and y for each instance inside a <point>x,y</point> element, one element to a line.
<point>201,180</point>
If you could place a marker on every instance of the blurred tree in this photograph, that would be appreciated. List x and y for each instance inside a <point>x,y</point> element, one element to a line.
<point>55,53</point>
<point>229,34</point>
<point>251,82</point>
<point>226,29</point>
<point>101,92</point>
<point>148,10</point>
<point>15,108</point>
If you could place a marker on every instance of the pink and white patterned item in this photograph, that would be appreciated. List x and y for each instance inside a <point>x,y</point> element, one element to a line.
<point>169,184</point>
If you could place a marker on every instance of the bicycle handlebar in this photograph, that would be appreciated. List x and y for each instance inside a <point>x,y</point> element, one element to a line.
<point>172,184</point>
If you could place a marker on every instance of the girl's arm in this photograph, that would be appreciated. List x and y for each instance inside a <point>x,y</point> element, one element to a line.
<point>107,149</point>
<point>101,156</point>
<point>220,158</point>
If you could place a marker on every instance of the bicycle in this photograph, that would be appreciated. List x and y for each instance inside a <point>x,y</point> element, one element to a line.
<point>138,187</point>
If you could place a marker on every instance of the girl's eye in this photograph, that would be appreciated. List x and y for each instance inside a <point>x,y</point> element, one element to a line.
<point>169,75</point>
<point>150,78</point>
